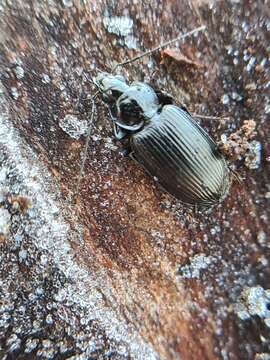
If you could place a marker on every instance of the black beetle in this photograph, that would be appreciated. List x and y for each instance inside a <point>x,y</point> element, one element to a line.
<point>166,140</point>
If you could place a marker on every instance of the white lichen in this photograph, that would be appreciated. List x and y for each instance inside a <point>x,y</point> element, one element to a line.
<point>14,92</point>
<point>236,96</point>
<point>4,221</point>
<point>261,237</point>
<point>67,3</point>
<point>225,99</point>
<point>197,263</point>
<point>19,71</point>
<point>254,301</point>
<point>254,154</point>
<point>45,79</point>
<point>30,345</point>
<point>73,126</point>
<point>121,26</point>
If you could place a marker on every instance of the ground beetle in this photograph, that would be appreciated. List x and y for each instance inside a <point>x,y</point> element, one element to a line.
<point>166,140</point>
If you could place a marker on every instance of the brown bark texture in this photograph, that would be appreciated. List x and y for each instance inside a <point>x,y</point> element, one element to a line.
<point>126,271</point>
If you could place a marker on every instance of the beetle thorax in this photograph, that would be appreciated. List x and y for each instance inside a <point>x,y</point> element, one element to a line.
<point>138,102</point>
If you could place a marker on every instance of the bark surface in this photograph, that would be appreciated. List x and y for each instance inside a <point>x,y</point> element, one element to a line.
<point>126,272</point>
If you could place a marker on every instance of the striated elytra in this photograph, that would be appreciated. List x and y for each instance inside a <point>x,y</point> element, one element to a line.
<point>166,140</point>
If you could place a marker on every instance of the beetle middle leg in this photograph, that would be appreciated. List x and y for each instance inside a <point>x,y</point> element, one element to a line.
<point>164,97</point>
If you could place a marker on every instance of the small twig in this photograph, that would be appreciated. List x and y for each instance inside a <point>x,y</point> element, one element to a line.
<point>210,117</point>
<point>86,144</point>
<point>167,43</point>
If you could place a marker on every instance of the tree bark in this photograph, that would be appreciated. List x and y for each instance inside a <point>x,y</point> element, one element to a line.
<point>125,271</point>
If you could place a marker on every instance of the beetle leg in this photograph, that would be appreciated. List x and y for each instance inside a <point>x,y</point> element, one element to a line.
<point>119,133</point>
<point>113,118</point>
<point>126,151</point>
<point>132,156</point>
<point>185,109</point>
<point>164,98</point>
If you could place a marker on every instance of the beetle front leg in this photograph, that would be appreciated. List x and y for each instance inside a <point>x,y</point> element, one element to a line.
<point>119,133</point>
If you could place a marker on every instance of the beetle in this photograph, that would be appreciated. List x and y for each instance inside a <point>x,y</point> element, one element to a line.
<point>166,140</point>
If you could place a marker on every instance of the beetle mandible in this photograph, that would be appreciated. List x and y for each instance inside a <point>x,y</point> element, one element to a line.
<point>166,141</point>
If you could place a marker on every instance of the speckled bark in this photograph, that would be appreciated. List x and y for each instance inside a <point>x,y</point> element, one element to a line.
<point>127,271</point>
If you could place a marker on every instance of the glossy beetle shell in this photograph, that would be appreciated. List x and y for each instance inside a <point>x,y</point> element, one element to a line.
<point>181,155</point>
<point>168,142</point>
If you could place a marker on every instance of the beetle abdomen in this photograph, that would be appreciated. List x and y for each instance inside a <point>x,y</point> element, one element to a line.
<point>183,157</point>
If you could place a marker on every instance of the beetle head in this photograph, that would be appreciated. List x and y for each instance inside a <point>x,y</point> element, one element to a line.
<point>138,104</point>
<point>111,86</point>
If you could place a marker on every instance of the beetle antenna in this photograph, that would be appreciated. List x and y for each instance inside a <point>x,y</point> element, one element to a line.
<point>94,82</point>
<point>86,144</point>
<point>90,79</point>
<point>210,117</point>
<point>151,51</point>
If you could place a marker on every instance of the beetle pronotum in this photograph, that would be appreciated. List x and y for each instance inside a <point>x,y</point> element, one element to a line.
<point>164,138</point>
